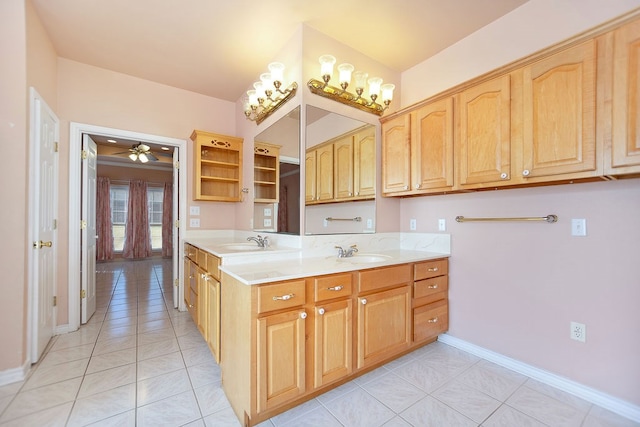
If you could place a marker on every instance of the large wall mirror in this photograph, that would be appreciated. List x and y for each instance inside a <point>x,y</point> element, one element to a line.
<point>340,174</point>
<point>276,206</point>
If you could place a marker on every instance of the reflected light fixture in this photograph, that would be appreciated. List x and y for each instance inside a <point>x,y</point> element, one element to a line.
<point>263,100</point>
<point>340,94</point>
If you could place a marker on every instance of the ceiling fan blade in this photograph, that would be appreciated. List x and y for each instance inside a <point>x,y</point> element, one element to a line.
<point>151,157</point>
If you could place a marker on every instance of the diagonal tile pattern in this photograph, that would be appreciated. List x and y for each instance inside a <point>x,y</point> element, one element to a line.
<point>139,362</point>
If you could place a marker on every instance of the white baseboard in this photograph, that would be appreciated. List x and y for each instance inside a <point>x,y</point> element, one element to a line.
<point>594,396</point>
<point>63,329</point>
<point>16,374</point>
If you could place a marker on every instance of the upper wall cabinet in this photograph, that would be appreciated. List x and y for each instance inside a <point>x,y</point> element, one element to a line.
<point>567,116</point>
<point>624,156</point>
<point>417,156</point>
<point>218,166</point>
<point>559,116</point>
<point>484,140</point>
<point>266,172</point>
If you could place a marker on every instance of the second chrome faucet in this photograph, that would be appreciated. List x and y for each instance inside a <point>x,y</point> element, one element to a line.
<point>262,242</point>
<point>346,253</point>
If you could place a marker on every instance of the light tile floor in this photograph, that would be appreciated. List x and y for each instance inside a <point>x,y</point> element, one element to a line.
<point>140,362</point>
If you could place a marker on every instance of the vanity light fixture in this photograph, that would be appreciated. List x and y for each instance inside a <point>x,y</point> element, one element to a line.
<point>263,100</point>
<point>323,88</point>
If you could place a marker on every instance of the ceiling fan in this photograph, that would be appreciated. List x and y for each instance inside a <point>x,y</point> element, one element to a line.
<point>140,152</point>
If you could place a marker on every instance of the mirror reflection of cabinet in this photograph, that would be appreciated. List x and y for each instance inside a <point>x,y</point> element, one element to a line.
<point>266,172</point>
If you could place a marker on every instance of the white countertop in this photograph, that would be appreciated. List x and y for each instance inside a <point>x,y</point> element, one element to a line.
<point>295,268</point>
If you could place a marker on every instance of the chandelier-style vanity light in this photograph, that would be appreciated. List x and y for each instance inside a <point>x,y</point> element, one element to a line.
<point>262,99</point>
<point>323,88</point>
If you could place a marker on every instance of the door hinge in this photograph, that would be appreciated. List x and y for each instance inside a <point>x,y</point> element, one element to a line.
<point>176,282</point>
<point>55,146</point>
<point>83,224</point>
<point>177,223</point>
<point>83,294</point>
<point>55,224</point>
<point>84,154</point>
<point>176,164</point>
<point>55,301</point>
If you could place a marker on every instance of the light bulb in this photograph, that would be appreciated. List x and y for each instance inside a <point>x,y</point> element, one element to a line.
<point>326,66</point>
<point>277,71</point>
<point>143,158</point>
<point>374,87</point>
<point>387,92</point>
<point>133,156</point>
<point>345,71</point>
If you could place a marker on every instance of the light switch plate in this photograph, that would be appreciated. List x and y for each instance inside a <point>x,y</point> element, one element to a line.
<point>267,211</point>
<point>578,227</point>
<point>267,222</point>
<point>194,210</point>
<point>194,222</point>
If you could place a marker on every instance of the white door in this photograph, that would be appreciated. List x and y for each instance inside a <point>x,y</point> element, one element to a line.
<point>44,206</point>
<point>176,230</point>
<point>88,234</point>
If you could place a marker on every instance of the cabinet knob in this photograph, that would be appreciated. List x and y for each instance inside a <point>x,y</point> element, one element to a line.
<point>417,186</point>
<point>321,311</point>
<point>350,194</point>
<point>504,175</point>
<point>432,287</point>
<point>364,301</point>
<point>283,297</point>
<point>432,269</point>
<point>526,172</point>
<point>406,187</point>
<point>335,288</point>
<point>434,320</point>
<point>303,315</point>
<point>357,193</point>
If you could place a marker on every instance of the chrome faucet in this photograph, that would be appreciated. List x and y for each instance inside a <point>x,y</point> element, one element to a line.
<point>346,253</point>
<point>263,242</point>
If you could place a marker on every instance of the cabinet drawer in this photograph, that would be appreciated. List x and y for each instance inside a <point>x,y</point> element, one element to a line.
<point>429,290</point>
<point>190,252</point>
<point>384,277</point>
<point>430,320</point>
<point>425,270</point>
<point>212,266</point>
<point>281,295</point>
<point>330,287</point>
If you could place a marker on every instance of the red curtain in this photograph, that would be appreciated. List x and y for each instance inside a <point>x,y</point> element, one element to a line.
<point>103,220</point>
<point>167,220</point>
<point>137,243</point>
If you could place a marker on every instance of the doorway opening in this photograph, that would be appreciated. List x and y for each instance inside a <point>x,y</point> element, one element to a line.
<point>77,195</point>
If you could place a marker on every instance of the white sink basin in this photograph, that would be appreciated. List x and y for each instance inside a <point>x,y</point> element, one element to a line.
<point>242,247</point>
<point>365,258</point>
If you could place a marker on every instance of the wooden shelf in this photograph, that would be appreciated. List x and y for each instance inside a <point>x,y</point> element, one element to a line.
<point>218,166</point>
<point>266,172</point>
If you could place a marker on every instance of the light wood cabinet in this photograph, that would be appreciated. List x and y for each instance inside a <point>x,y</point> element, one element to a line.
<point>623,157</point>
<point>212,319</point>
<point>559,116</point>
<point>418,150</point>
<point>483,147</point>
<point>191,288</point>
<point>430,299</point>
<point>281,358</point>
<point>311,185</point>
<point>343,168</point>
<point>266,172</point>
<point>218,166</point>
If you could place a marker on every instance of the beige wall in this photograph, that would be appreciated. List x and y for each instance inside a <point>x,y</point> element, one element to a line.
<point>515,287</point>
<point>13,140</point>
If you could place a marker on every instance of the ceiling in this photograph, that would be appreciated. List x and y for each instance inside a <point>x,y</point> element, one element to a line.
<point>219,47</point>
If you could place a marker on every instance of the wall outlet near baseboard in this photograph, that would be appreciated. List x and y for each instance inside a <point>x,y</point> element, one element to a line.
<point>578,332</point>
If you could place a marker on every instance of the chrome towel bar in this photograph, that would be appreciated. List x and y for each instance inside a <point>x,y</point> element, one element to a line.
<point>356,219</point>
<point>548,218</point>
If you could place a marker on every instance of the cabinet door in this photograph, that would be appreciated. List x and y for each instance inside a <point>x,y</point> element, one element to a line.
<point>484,154</point>
<point>625,150</point>
<point>333,342</point>
<point>384,327</point>
<point>202,301</point>
<point>396,154</point>
<point>432,147</point>
<point>343,168</point>
<point>281,358</point>
<point>311,185</point>
<point>364,163</point>
<point>559,104</point>
<point>191,288</point>
<point>324,173</point>
<point>212,307</point>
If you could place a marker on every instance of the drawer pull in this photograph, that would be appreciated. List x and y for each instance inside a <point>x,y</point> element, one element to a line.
<point>336,288</point>
<point>303,315</point>
<point>434,320</point>
<point>321,311</point>
<point>432,269</point>
<point>364,301</point>
<point>432,287</point>
<point>190,305</point>
<point>283,297</point>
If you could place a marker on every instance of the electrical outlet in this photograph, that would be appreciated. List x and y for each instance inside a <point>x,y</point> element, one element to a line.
<point>578,227</point>
<point>442,225</point>
<point>578,332</point>
<point>369,223</point>
<point>267,211</point>
<point>194,210</point>
<point>267,222</point>
<point>413,224</point>
<point>194,222</point>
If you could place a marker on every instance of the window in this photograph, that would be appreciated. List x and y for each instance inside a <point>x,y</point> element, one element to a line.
<point>119,205</point>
